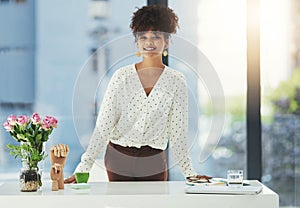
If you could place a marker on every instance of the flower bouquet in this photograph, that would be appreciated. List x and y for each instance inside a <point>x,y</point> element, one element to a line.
<point>31,132</point>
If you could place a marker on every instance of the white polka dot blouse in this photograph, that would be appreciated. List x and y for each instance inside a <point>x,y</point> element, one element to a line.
<point>130,117</point>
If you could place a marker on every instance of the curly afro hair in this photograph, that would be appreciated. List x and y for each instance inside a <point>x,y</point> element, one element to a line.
<point>154,18</point>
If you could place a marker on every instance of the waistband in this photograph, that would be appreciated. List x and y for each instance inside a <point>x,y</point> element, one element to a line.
<point>143,151</point>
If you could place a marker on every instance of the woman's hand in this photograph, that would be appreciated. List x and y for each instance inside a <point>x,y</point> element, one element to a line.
<point>203,178</point>
<point>71,179</point>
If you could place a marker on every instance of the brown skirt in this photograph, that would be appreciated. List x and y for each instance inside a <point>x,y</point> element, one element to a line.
<point>135,164</point>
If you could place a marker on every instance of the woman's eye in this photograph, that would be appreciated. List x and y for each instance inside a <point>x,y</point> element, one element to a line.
<point>143,38</point>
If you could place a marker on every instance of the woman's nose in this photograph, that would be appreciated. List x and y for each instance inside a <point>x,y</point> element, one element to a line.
<point>149,41</point>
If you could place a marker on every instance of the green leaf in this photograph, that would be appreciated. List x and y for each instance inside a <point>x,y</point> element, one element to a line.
<point>20,136</point>
<point>39,137</point>
<point>28,135</point>
<point>31,140</point>
<point>40,180</point>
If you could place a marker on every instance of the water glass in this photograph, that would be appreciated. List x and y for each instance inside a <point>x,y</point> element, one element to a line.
<point>235,178</point>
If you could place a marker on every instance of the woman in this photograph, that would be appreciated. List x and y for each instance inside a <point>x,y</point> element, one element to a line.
<point>144,108</point>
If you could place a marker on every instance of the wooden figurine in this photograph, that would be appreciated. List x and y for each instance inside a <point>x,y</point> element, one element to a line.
<point>58,157</point>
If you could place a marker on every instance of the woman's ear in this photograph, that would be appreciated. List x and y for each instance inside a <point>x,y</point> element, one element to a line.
<point>166,43</point>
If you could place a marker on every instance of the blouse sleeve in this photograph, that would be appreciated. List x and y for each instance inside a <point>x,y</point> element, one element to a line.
<point>108,116</point>
<point>178,127</point>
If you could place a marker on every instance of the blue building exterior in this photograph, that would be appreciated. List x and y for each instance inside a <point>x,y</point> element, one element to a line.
<point>17,67</point>
<point>17,52</point>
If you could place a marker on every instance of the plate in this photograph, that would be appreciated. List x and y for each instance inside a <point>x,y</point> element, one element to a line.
<point>80,186</point>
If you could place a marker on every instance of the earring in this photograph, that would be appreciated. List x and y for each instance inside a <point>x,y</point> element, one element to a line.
<point>165,53</point>
<point>138,54</point>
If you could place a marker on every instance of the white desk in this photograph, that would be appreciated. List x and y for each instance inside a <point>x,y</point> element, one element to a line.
<point>131,195</point>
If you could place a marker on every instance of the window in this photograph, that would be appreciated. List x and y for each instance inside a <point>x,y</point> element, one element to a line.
<point>13,50</point>
<point>280,81</point>
<point>20,1</point>
<point>4,1</point>
<point>221,37</point>
<point>13,1</point>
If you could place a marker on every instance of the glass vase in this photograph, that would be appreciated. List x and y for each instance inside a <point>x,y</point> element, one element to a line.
<point>28,179</point>
<point>28,166</point>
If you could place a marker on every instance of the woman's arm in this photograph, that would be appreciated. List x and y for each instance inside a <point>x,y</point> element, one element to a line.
<point>178,128</point>
<point>108,116</point>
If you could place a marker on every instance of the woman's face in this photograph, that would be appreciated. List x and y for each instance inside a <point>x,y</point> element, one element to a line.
<point>151,43</point>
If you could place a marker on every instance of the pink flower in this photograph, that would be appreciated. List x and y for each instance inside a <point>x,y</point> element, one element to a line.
<point>12,120</point>
<point>21,120</point>
<point>53,121</point>
<point>45,126</point>
<point>49,122</point>
<point>35,118</point>
<point>8,126</point>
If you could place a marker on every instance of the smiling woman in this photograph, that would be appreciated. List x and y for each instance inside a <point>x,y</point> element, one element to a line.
<point>144,108</point>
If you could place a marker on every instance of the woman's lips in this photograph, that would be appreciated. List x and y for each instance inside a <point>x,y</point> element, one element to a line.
<point>149,49</point>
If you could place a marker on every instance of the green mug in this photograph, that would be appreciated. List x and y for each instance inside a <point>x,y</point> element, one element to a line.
<point>82,177</point>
